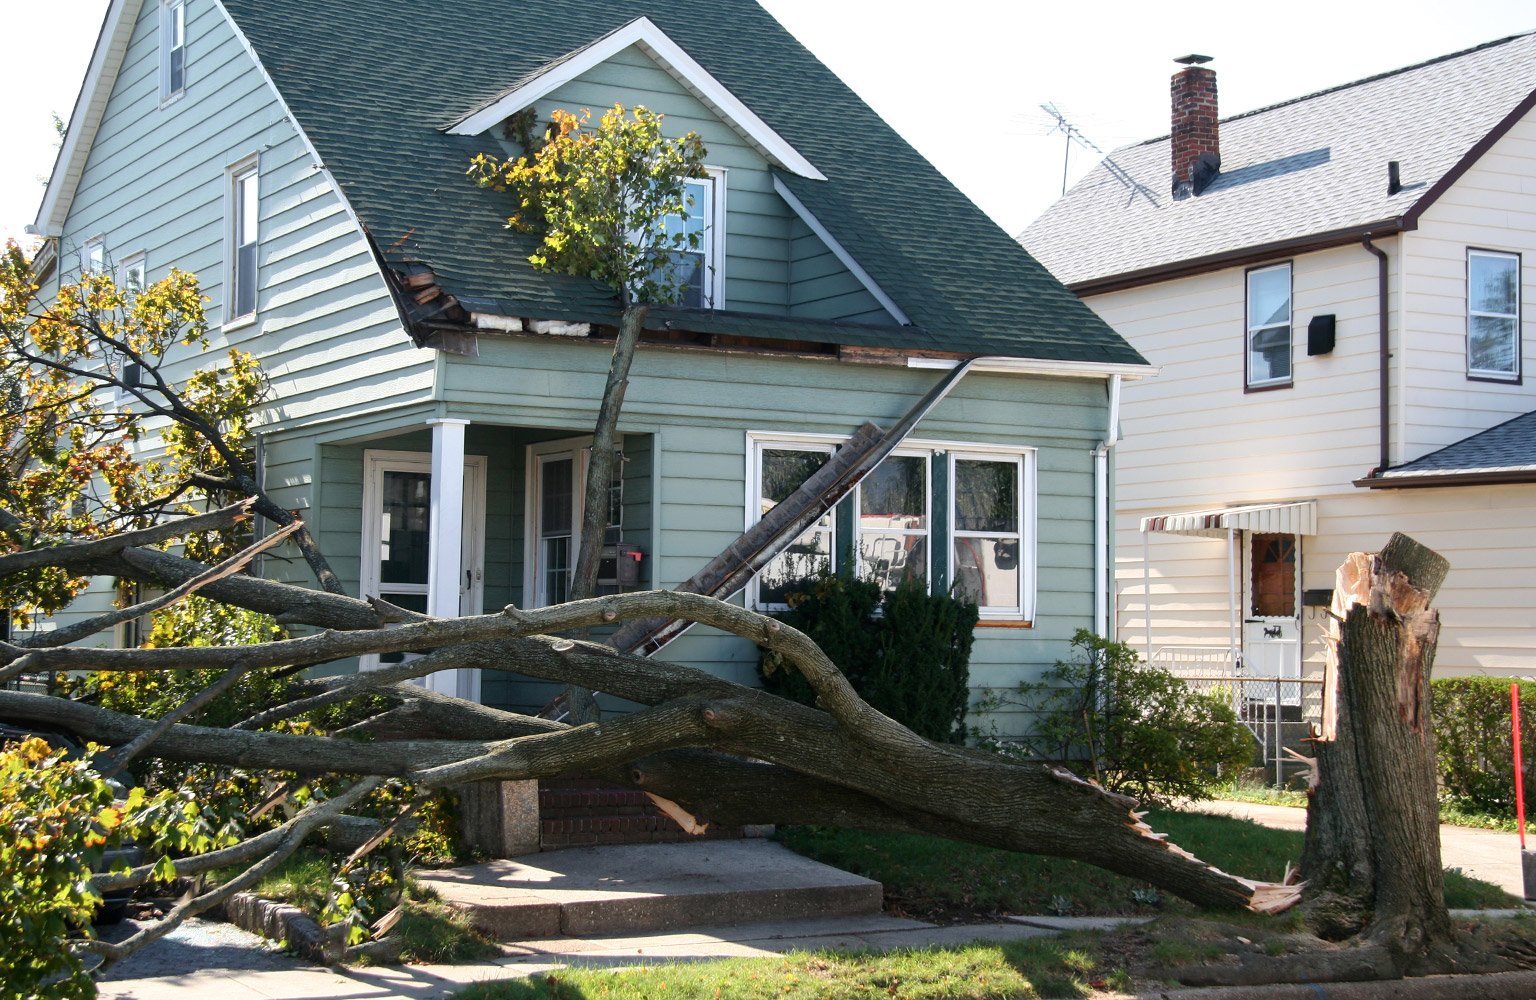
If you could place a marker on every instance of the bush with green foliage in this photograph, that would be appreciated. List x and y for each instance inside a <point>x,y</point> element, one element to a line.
<point>1474,741</point>
<point>1134,728</point>
<point>906,652</point>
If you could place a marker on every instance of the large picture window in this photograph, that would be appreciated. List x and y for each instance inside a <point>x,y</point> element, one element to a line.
<point>1269,327</point>
<point>1493,315</point>
<point>956,517</point>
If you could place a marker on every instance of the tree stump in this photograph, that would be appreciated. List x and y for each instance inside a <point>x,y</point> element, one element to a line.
<point>1372,852</point>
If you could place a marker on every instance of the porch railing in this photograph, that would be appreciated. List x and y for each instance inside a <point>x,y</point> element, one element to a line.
<point>1273,708</point>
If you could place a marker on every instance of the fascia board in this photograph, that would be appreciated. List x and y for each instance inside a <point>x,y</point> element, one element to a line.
<point>85,119</point>
<point>840,252</point>
<point>1041,366</point>
<point>684,68</point>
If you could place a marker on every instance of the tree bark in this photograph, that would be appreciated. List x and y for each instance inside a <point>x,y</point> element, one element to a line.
<point>594,515</point>
<point>1372,851</point>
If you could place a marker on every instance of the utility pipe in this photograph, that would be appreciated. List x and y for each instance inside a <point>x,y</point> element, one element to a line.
<point>1385,355</point>
<point>1101,514</point>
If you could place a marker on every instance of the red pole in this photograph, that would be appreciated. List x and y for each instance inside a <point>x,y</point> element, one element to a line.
<point>1514,714</point>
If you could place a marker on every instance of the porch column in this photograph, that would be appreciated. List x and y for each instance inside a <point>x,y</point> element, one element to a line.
<point>446,545</point>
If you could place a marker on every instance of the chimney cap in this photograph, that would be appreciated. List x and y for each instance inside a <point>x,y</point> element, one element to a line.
<point>1193,60</point>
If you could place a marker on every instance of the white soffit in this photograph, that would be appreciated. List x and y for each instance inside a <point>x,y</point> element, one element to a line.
<point>642,31</point>
<point>1273,518</point>
<point>85,119</point>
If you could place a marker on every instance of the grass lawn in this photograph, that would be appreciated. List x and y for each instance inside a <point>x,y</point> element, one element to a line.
<point>1452,812</point>
<point>931,878</point>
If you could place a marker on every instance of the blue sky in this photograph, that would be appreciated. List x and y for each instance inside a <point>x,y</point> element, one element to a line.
<point>961,80</point>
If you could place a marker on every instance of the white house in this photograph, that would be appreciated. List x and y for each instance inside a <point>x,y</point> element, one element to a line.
<point>1333,290</point>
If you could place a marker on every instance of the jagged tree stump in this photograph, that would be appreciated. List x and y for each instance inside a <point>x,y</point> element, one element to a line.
<point>1372,853</point>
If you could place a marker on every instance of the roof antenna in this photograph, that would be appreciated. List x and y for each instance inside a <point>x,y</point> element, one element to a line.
<point>1073,135</point>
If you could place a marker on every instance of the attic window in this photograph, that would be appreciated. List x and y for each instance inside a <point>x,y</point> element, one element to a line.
<point>700,270</point>
<point>173,48</point>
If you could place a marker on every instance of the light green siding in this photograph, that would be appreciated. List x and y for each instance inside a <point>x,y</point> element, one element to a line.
<point>820,287</point>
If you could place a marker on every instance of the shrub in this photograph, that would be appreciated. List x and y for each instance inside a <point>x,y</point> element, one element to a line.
<point>1474,740</point>
<point>1138,729</point>
<point>906,652</point>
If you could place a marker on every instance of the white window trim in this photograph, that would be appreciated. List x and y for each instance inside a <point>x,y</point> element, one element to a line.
<point>1289,325</point>
<point>1025,485</point>
<point>375,464</point>
<point>168,10</point>
<point>233,175</point>
<point>1028,457</point>
<point>93,256</point>
<point>714,232</point>
<point>908,450</point>
<point>581,448</point>
<point>757,443</point>
<point>1488,373</point>
<point>126,267</point>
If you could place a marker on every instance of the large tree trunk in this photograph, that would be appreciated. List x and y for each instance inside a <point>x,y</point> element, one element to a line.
<point>594,517</point>
<point>1372,854</point>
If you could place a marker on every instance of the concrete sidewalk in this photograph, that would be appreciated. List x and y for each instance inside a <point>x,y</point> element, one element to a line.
<point>1486,854</point>
<point>259,973</point>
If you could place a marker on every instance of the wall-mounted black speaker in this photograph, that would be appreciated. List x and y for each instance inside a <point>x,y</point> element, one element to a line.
<point>1320,335</point>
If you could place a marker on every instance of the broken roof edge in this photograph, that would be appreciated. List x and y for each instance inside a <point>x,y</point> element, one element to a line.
<point>1002,365</point>
<point>675,59</point>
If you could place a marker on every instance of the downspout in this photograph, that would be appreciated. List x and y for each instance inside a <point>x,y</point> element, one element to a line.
<point>1384,359</point>
<point>1101,514</point>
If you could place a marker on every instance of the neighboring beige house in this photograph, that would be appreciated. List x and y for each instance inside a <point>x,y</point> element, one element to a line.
<point>1333,289</point>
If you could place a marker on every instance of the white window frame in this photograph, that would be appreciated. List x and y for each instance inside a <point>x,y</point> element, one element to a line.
<point>375,464</point>
<point>925,532</point>
<point>1024,461</point>
<point>236,216</point>
<point>758,443</point>
<point>132,273</point>
<point>712,245</point>
<point>1487,374</point>
<point>580,450</point>
<point>93,256</point>
<point>1252,331</point>
<point>173,22</point>
<point>1027,456</point>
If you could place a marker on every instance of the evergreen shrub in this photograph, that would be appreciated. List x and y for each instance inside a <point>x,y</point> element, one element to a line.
<point>906,652</point>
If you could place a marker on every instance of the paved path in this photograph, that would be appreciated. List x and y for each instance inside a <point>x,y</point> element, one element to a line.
<point>1486,854</point>
<point>203,959</point>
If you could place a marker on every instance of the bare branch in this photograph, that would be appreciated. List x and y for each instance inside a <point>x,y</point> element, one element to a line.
<point>98,548</point>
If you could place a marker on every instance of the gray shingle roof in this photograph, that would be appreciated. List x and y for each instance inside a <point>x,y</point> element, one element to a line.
<point>1311,166</point>
<point>1509,447</point>
<point>373,83</point>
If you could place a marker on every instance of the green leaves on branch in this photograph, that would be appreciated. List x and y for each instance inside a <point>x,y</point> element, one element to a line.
<point>599,199</point>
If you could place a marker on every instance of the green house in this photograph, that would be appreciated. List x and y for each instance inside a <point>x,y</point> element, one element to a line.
<point>432,392</point>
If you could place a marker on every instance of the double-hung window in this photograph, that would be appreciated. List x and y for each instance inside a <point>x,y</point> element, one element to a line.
<point>93,257</point>
<point>132,273</point>
<point>1493,315</point>
<point>698,265</point>
<point>1269,327</point>
<point>173,48</point>
<point>779,468</point>
<point>894,520</point>
<point>243,239</point>
<point>986,498</point>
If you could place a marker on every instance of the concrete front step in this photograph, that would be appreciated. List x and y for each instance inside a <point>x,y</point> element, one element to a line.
<point>620,889</point>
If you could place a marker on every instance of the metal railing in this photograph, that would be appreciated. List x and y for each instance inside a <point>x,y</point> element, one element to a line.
<point>1266,704</point>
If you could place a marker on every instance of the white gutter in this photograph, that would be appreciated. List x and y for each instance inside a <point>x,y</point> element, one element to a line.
<point>1036,366</point>
<point>1101,513</point>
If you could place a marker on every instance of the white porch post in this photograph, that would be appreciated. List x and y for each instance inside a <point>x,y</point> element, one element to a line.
<point>445,571</point>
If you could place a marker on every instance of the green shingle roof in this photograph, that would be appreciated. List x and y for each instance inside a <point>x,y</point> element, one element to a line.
<point>373,84</point>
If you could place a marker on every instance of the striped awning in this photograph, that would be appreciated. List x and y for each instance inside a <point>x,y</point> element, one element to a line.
<point>1277,518</point>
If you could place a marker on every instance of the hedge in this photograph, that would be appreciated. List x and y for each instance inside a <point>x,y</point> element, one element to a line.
<point>1474,740</point>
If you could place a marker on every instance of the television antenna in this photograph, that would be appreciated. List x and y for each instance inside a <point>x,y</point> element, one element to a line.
<point>1074,134</point>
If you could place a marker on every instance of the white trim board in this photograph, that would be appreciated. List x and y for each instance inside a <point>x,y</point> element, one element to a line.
<point>840,252</point>
<point>642,31</point>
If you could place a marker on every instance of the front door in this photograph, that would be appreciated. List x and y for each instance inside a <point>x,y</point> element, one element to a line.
<point>1272,628</point>
<point>397,492</point>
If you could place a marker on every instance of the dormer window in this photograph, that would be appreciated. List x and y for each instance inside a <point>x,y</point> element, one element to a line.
<point>700,269</point>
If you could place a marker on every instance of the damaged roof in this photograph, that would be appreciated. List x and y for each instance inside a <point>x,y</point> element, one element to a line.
<point>1307,173</point>
<point>376,92</point>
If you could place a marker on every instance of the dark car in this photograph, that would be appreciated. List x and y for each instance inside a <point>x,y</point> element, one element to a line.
<point>114,905</point>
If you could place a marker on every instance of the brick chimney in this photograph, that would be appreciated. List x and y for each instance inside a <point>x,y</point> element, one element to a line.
<point>1194,140</point>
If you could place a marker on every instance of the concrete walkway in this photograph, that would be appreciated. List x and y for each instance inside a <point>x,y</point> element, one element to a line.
<point>1486,854</point>
<point>201,952</point>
